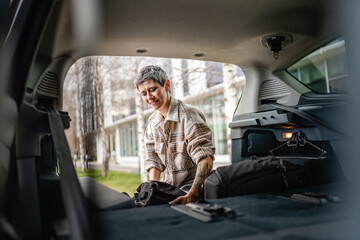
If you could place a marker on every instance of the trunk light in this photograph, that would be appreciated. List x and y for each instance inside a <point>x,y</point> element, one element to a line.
<point>287,135</point>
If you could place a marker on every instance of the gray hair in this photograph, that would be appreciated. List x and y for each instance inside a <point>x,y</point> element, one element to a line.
<point>153,72</point>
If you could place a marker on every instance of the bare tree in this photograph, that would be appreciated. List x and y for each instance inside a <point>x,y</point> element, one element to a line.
<point>79,116</point>
<point>229,72</point>
<point>140,127</point>
<point>99,113</point>
<point>114,97</point>
<point>85,95</point>
<point>121,71</point>
<point>69,105</point>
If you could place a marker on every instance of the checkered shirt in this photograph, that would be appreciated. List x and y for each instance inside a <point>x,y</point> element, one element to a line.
<point>175,145</point>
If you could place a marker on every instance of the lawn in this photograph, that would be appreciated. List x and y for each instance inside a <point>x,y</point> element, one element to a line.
<point>122,182</point>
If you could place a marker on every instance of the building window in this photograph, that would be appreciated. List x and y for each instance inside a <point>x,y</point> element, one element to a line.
<point>128,139</point>
<point>213,108</point>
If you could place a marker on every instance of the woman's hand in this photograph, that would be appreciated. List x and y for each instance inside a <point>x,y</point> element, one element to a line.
<point>188,198</point>
<point>203,170</point>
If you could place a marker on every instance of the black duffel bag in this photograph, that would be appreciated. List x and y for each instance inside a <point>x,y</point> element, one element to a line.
<point>254,176</point>
<point>155,193</point>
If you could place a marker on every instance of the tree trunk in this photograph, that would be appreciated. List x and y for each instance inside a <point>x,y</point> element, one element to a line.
<point>105,158</point>
<point>140,127</point>
<point>230,98</point>
<point>79,118</point>
<point>99,91</point>
<point>140,133</point>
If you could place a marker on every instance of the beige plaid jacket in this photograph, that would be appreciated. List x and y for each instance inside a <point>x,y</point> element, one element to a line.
<point>175,145</point>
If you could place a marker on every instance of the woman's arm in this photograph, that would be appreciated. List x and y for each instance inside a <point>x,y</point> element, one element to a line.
<point>203,170</point>
<point>154,174</point>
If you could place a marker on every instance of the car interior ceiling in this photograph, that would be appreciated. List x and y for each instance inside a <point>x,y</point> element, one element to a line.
<point>235,39</point>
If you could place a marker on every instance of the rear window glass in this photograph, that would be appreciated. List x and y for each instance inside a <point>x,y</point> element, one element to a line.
<point>324,70</point>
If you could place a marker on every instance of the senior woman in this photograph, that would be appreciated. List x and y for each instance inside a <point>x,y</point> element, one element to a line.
<point>178,140</point>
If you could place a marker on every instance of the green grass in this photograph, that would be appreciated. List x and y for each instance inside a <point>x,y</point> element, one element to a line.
<point>119,181</point>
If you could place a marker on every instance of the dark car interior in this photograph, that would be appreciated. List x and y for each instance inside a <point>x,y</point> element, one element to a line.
<point>271,41</point>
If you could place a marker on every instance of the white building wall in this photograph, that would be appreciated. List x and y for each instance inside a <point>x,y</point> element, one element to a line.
<point>117,144</point>
<point>99,149</point>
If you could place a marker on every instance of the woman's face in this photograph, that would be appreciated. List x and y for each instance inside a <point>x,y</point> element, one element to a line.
<point>155,95</point>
